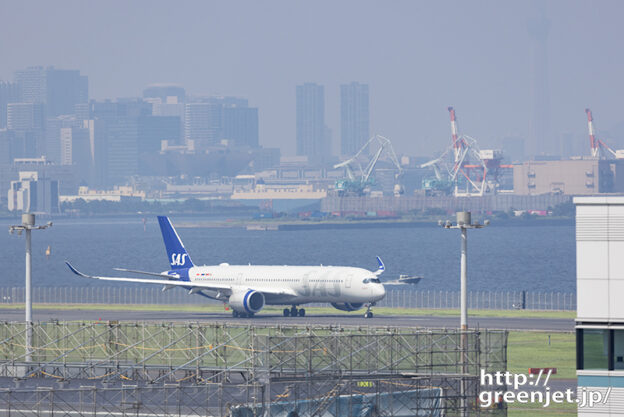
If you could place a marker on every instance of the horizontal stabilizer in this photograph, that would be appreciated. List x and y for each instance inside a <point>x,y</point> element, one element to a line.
<point>77,272</point>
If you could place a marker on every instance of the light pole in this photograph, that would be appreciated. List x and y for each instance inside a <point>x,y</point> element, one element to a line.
<point>464,222</point>
<point>28,225</point>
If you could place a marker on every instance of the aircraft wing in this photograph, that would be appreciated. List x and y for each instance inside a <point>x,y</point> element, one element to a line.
<point>170,283</point>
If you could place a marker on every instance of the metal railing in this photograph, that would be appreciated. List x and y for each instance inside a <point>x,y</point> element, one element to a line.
<point>395,298</point>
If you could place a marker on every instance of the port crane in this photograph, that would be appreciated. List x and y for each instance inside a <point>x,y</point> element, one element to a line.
<point>463,167</point>
<point>599,149</point>
<point>359,176</point>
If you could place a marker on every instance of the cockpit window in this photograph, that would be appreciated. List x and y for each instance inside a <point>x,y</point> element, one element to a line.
<point>366,280</point>
<point>375,280</point>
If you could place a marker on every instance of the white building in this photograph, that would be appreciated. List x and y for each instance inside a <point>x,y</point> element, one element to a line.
<point>31,194</point>
<point>600,302</point>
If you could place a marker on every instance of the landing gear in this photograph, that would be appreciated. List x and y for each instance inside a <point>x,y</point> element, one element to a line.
<point>294,312</point>
<point>369,313</point>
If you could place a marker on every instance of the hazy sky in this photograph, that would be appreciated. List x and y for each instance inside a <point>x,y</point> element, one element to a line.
<point>418,58</point>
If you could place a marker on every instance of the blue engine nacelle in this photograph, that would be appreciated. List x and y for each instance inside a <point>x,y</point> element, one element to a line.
<point>348,306</point>
<point>249,301</point>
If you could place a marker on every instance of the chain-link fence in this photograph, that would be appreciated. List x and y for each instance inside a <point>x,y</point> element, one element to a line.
<point>395,297</point>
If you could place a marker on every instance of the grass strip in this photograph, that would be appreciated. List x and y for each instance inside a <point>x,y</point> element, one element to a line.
<point>382,311</point>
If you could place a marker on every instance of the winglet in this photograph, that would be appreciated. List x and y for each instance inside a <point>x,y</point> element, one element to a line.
<point>75,271</point>
<point>381,268</point>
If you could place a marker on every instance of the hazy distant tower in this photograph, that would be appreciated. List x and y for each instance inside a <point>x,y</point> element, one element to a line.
<point>539,128</point>
<point>312,140</point>
<point>354,117</point>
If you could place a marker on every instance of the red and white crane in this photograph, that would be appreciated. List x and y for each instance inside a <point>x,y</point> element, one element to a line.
<point>470,168</point>
<point>599,149</point>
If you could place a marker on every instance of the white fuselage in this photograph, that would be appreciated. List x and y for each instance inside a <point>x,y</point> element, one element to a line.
<point>303,284</point>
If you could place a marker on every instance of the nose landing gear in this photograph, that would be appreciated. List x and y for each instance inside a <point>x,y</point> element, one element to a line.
<point>369,313</point>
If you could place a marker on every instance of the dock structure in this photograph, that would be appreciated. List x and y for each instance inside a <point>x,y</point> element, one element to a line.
<point>243,370</point>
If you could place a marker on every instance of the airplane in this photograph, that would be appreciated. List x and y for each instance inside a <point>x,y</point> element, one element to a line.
<point>249,288</point>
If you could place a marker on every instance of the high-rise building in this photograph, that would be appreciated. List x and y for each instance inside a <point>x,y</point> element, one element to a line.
<point>154,129</point>
<point>59,90</point>
<point>240,125</point>
<point>311,134</point>
<point>26,121</point>
<point>75,147</point>
<point>354,117</point>
<point>9,93</point>
<point>122,149</point>
<point>53,135</point>
<point>202,124</point>
<point>25,116</point>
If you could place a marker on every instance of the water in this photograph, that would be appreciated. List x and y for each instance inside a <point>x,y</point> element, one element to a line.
<point>531,256</point>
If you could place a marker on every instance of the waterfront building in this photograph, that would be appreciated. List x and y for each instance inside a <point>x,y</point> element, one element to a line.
<point>311,134</point>
<point>600,310</point>
<point>354,117</point>
<point>33,194</point>
<point>572,177</point>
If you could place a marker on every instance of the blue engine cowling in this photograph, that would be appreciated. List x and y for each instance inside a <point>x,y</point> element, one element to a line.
<point>249,301</point>
<point>348,306</point>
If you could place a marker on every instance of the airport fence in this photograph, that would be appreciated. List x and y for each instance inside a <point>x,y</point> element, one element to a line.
<point>395,298</point>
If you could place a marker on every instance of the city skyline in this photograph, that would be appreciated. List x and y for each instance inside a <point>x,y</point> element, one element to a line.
<point>420,58</point>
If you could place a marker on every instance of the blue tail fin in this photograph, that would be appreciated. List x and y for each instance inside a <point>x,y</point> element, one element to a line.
<point>178,257</point>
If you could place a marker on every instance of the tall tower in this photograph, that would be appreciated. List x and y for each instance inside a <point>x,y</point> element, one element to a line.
<point>311,135</point>
<point>354,117</point>
<point>539,128</point>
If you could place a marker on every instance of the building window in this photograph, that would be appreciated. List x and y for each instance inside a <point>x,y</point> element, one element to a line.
<point>600,349</point>
<point>595,352</point>
<point>618,349</point>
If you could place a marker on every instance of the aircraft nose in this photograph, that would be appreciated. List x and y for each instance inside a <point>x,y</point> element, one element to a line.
<point>379,292</point>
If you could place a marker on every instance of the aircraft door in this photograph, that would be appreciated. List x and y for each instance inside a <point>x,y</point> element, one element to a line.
<point>348,281</point>
<point>239,279</point>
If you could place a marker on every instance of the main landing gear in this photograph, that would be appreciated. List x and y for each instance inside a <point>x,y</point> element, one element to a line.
<point>236,315</point>
<point>294,312</point>
<point>369,313</point>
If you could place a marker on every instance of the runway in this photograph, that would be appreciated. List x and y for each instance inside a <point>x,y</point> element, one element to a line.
<point>542,324</point>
